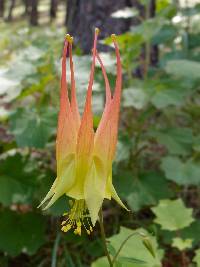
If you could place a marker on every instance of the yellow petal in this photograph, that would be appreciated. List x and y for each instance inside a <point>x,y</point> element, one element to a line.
<point>50,193</point>
<point>94,189</point>
<point>64,182</point>
<point>116,197</point>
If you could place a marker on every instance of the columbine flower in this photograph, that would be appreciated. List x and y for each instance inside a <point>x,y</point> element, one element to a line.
<point>84,157</point>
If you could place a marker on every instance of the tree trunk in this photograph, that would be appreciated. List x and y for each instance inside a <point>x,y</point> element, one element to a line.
<point>154,49</point>
<point>53,9</point>
<point>34,13</point>
<point>83,16</point>
<point>2,7</point>
<point>12,5</point>
<point>27,5</point>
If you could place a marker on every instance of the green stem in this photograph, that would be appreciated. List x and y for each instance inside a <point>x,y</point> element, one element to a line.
<point>55,249</point>
<point>112,261</point>
<point>103,236</point>
<point>147,46</point>
<point>121,246</point>
<point>147,59</point>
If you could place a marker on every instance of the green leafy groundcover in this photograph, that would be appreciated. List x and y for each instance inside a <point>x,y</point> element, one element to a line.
<point>28,232</point>
<point>18,178</point>
<point>133,253</point>
<point>156,171</point>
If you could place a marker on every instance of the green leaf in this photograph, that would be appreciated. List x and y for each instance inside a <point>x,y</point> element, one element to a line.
<point>134,253</point>
<point>131,260</point>
<point>147,243</point>
<point>9,89</point>
<point>166,97</point>
<point>147,190</point>
<point>111,249</point>
<point>93,248</point>
<point>21,232</point>
<point>183,173</point>
<point>181,244</point>
<point>32,129</point>
<point>197,257</point>
<point>189,232</point>
<point>31,53</point>
<point>134,97</point>
<point>166,34</point>
<point>162,4</point>
<point>134,247</point>
<point>101,262</point>
<point>191,11</point>
<point>123,150</point>
<point>18,177</point>
<point>196,145</point>
<point>166,91</point>
<point>177,140</point>
<point>149,28</point>
<point>183,68</point>
<point>19,70</point>
<point>172,215</point>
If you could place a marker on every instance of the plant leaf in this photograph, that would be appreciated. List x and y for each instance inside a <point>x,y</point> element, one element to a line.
<point>21,232</point>
<point>172,215</point>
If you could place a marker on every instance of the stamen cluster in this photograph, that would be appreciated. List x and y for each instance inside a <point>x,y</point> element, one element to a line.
<point>77,217</point>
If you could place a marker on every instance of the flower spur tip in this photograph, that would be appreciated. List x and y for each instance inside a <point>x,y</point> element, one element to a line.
<point>113,36</point>
<point>97,31</point>
<point>69,38</point>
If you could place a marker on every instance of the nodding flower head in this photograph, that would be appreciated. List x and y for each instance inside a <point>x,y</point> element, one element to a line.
<point>84,157</point>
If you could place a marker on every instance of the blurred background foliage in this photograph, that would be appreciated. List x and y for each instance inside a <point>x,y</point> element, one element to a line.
<point>157,166</point>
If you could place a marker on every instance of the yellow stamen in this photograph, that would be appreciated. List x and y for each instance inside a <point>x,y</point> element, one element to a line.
<point>97,31</point>
<point>113,36</point>
<point>69,38</point>
<point>77,217</point>
<point>66,228</point>
<point>78,229</point>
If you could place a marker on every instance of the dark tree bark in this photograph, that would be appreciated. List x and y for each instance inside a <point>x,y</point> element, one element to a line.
<point>83,16</point>
<point>34,13</point>
<point>12,5</point>
<point>2,8</point>
<point>154,48</point>
<point>27,5</point>
<point>53,9</point>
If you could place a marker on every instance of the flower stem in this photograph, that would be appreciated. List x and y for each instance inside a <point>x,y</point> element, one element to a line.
<point>55,250</point>
<point>103,236</point>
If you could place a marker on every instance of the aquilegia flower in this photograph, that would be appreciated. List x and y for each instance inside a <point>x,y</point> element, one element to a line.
<point>84,157</point>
